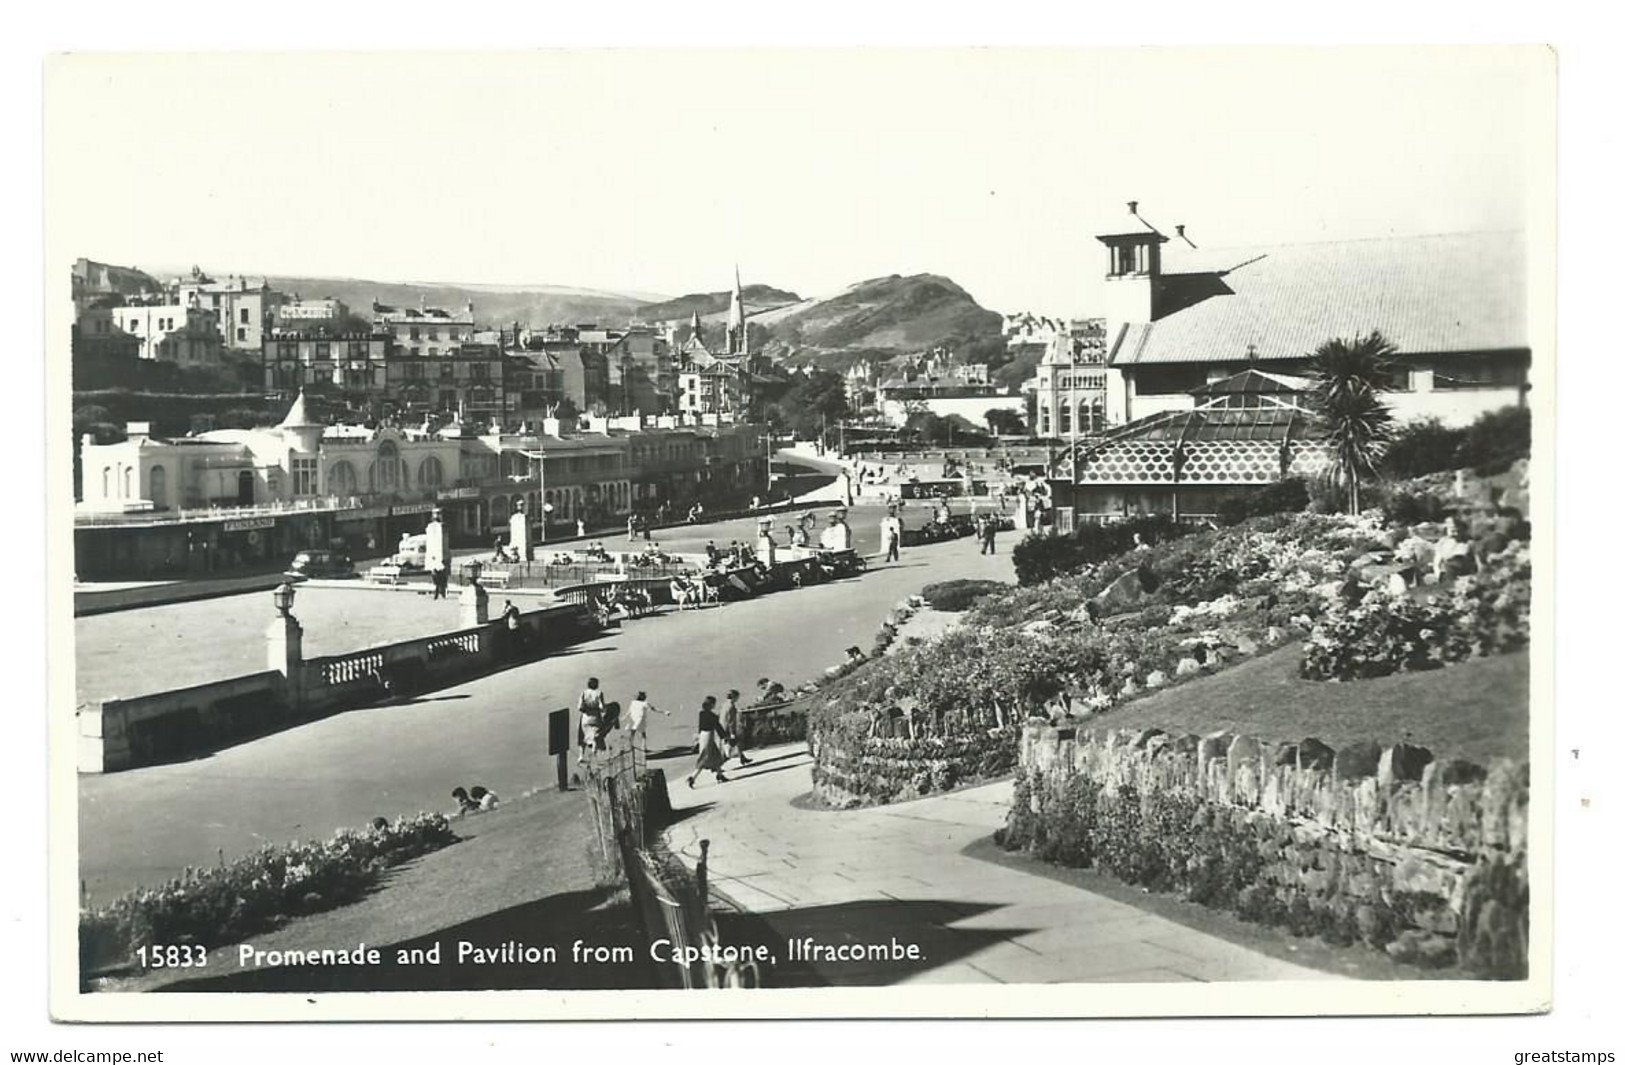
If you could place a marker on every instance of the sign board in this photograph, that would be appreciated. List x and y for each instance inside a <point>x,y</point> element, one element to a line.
<point>248,523</point>
<point>558,732</point>
<point>411,508</point>
<point>363,514</point>
<point>471,492</point>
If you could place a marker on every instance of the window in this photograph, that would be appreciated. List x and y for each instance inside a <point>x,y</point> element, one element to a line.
<point>430,475</point>
<point>415,335</point>
<point>323,351</point>
<point>158,487</point>
<point>304,476</point>
<point>446,371</point>
<point>433,352</point>
<point>243,316</point>
<point>341,479</point>
<point>242,334</point>
<point>1487,373</point>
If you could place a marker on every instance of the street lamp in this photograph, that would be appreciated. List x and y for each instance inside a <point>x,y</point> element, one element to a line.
<point>282,596</point>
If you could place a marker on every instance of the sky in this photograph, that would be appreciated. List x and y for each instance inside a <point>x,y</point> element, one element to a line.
<point>655,171</point>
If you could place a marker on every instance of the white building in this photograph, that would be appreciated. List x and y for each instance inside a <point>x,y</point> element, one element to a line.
<point>1453,305</point>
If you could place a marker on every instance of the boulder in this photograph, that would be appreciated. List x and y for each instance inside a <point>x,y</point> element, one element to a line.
<point>1401,762</point>
<point>1357,760</point>
<point>1313,754</point>
<point>1119,597</point>
<point>1459,771</point>
<point>1186,667</point>
<point>1156,679</point>
<point>1425,950</point>
<point>1144,736</point>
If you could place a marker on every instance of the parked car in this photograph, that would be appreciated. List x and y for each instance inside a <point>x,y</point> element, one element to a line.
<point>321,564</point>
<point>413,553</point>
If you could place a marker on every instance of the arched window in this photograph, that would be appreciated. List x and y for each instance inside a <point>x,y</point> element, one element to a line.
<point>430,474</point>
<point>341,479</point>
<point>1064,421</point>
<point>387,471</point>
<point>107,481</point>
<point>158,487</point>
<point>129,482</point>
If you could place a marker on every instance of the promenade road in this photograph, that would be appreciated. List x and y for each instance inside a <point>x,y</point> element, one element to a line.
<point>135,652</point>
<point>145,825</point>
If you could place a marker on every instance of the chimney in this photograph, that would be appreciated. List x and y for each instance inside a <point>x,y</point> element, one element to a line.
<point>1134,208</point>
<point>137,431</point>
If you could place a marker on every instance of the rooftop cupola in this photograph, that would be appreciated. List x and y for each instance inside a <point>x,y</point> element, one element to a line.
<point>1137,250</point>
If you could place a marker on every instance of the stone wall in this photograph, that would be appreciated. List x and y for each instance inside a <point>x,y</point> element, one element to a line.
<point>1383,845</point>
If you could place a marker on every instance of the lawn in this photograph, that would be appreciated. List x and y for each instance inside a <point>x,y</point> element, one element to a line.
<point>519,873</point>
<point>1477,710</point>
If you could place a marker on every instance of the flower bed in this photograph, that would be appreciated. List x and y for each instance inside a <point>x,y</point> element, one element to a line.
<point>1385,633</point>
<point>230,902</point>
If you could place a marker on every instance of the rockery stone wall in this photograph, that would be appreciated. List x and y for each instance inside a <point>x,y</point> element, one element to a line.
<point>1385,846</point>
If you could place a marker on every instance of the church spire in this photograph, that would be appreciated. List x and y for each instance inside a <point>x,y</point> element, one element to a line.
<point>694,326</point>
<point>738,342</point>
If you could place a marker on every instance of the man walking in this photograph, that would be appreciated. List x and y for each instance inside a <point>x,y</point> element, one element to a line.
<point>990,526</point>
<point>891,533</point>
<point>731,721</point>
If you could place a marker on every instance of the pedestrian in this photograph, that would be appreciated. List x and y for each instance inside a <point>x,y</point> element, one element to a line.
<point>637,717</point>
<point>631,527</point>
<point>708,740</point>
<point>441,576</point>
<point>891,533</point>
<point>734,722</point>
<point>581,528</point>
<point>589,729</point>
<point>510,627</point>
<point>990,529</point>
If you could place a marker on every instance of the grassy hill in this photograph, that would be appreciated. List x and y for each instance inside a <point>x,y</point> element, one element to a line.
<point>710,304</point>
<point>893,314</point>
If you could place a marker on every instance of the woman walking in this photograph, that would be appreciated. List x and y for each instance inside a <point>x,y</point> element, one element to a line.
<point>711,738</point>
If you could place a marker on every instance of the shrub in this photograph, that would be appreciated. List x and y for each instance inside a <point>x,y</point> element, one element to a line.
<point>1288,496</point>
<point>1400,507</point>
<point>957,596</point>
<point>1482,614</point>
<point>1488,446</point>
<point>1495,441</point>
<point>1039,557</point>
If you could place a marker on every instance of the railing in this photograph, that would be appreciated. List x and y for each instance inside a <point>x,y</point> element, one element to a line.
<point>346,669</point>
<point>216,513</point>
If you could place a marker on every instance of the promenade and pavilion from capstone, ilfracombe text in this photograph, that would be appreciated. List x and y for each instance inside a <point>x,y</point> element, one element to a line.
<point>693,552</point>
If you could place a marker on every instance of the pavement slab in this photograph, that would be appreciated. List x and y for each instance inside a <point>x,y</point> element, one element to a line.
<point>897,874</point>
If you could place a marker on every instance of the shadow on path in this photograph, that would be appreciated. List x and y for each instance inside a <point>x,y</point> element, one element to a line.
<point>883,929</point>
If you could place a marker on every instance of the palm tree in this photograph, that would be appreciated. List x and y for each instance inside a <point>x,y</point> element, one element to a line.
<point>1348,376</point>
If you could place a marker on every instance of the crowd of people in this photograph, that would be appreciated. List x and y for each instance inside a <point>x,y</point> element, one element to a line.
<point>717,737</point>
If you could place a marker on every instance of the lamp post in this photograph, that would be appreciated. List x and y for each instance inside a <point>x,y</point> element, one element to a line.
<point>284,642</point>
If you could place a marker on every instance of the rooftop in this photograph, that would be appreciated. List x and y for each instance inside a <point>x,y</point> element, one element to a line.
<point>1447,293</point>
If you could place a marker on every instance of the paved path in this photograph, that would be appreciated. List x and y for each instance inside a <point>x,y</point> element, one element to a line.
<point>145,825</point>
<point>896,872</point>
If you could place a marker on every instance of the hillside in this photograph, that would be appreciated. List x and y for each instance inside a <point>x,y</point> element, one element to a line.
<point>493,305</point>
<point>757,299</point>
<point>888,314</point>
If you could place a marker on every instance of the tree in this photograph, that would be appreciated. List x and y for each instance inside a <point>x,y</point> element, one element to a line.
<point>1348,377</point>
<point>1002,422</point>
